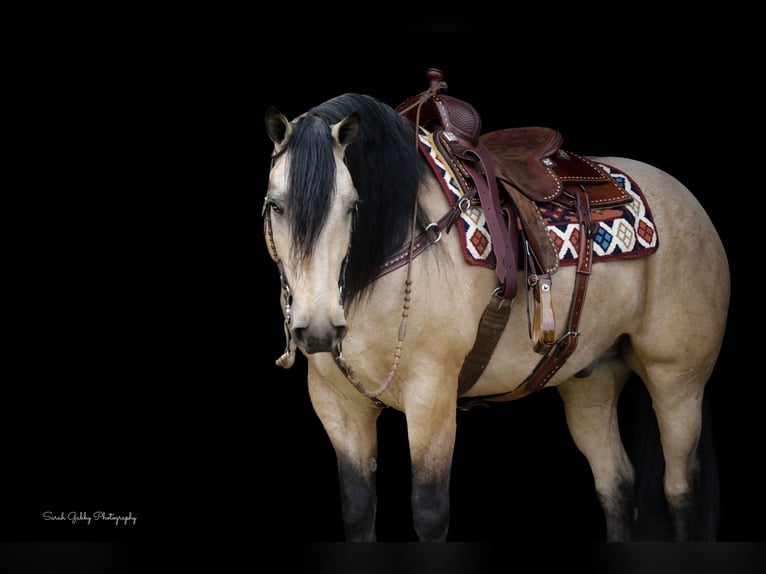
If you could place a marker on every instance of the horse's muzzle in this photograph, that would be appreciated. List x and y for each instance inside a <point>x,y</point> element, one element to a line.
<point>318,340</point>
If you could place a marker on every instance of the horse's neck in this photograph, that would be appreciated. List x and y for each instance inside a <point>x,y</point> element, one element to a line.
<point>432,198</point>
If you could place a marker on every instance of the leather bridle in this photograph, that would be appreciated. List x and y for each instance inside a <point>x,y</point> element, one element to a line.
<point>287,359</point>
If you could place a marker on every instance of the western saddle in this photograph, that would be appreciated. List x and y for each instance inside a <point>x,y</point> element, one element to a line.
<point>508,172</point>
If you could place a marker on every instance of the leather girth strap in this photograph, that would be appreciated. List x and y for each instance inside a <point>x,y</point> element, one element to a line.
<point>504,230</point>
<point>558,353</point>
<point>491,326</point>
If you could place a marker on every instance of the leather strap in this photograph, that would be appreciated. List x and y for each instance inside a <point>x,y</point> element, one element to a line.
<point>543,324</point>
<point>535,229</point>
<point>486,184</point>
<point>491,327</point>
<point>430,235</point>
<point>493,320</point>
<point>558,354</point>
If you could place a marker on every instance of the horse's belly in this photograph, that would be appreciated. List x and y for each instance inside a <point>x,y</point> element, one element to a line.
<point>613,307</point>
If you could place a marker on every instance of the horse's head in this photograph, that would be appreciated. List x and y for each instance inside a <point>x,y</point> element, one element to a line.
<point>309,211</point>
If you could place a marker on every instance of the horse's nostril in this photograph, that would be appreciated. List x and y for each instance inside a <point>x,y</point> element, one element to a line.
<point>298,333</point>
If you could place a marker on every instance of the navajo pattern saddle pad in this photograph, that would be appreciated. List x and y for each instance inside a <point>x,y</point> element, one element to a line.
<point>626,231</point>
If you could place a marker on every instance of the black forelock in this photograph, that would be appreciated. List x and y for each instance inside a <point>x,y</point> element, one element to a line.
<point>386,169</point>
<point>311,181</point>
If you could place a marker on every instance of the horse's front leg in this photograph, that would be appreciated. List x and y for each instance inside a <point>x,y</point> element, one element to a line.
<point>350,419</point>
<point>431,423</point>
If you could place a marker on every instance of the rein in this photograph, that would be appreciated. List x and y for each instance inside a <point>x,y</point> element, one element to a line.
<point>416,246</point>
<point>346,368</point>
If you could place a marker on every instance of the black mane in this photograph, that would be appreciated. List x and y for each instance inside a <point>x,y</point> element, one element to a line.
<point>386,169</point>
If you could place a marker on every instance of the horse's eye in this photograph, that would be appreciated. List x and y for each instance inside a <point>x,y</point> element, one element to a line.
<point>274,206</point>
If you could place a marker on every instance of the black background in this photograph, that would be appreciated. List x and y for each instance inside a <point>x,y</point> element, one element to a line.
<point>144,318</point>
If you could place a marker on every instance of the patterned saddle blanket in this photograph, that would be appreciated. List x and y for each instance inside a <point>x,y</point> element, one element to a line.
<point>624,231</point>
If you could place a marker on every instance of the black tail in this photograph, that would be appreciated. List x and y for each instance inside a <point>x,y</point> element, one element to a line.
<point>642,436</point>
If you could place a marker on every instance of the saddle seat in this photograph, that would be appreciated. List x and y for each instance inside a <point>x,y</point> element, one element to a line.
<point>532,168</point>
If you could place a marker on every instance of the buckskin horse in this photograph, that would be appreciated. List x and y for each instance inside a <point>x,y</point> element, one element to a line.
<point>404,236</point>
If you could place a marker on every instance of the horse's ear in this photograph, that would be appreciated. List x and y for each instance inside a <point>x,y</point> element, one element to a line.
<point>277,126</point>
<point>346,130</point>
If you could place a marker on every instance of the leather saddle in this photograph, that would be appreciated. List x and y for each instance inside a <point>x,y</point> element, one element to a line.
<point>512,170</point>
<point>528,162</point>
